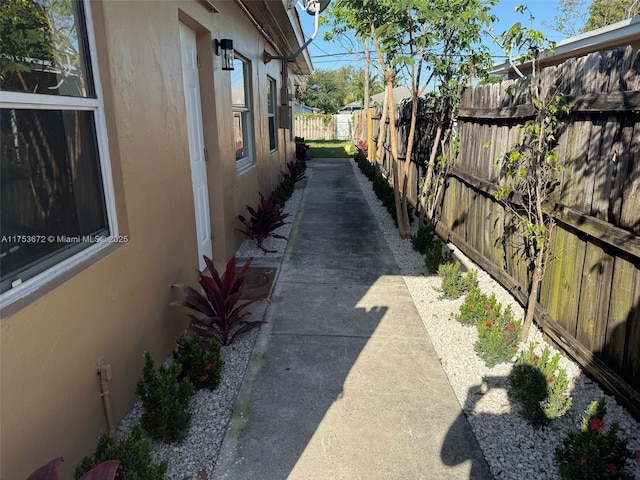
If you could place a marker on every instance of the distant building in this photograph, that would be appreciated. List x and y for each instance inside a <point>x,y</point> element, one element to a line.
<point>299,109</point>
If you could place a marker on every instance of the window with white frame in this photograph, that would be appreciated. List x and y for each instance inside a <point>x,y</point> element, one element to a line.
<point>271,114</point>
<point>53,168</point>
<point>241,103</point>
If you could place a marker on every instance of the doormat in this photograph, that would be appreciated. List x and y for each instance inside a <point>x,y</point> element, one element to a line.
<point>258,281</point>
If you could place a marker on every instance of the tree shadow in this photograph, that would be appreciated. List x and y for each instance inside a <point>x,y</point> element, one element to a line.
<point>339,383</point>
<point>529,406</point>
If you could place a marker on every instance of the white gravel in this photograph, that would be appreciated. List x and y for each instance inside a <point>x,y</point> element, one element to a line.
<point>513,449</point>
<point>195,457</point>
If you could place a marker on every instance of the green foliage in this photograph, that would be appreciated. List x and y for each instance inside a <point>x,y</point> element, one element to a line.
<point>429,244</point>
<point>540,386</point>
<point>569,19</point>
<point>498,338</point>
<point>478,307</point>
<point>165,399</point>
<point>381,186</point>
<point>454,284</point>
<point>284,190</point>
<point>592,453</point>
<point>200,363</point>
<point>133,453</point>
<point>436,254</point>
<point>330,90</point>
<point>530,167</point>
<point>606,12</point>
<point>423,237</point>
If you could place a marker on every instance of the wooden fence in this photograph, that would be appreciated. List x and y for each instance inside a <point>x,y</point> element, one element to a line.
<point>315,127</point>
<point>589,302</point>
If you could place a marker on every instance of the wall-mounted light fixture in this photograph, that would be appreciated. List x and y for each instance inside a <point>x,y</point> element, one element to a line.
<point>224,48</point>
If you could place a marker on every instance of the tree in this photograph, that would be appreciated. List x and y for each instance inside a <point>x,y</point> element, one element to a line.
<point>570,18</point>
<point>531,166</point>
<point>606,12</point>
<point>356,88</point>
<point>429,41</point>
<point>329,90</point>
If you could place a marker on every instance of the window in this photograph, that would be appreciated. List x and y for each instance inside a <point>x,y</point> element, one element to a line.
<point>241,101</point>
<point>53,169</point>
<point>271,114</point>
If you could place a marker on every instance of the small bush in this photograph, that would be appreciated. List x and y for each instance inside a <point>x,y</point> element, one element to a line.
<point>423,238</point>
<point>498,338</point>
<point>133,453</point>
<point>436,254</point>
<point>381,186</point>
<point>591,453</point>
<point>284,190</point>
<point>165,399</point>
<point>454,285</point>
<point>201,364</point>
<point>540,386</point>
<point>478,307</point>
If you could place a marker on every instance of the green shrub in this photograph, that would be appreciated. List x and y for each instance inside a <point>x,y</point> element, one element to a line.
<point>201,364</point>
<point>381,186</point>
<point>284,190</point>
<point>423,238</point>
<point>591,453</point>
<point>165,400</point>
<point>454,284</point>
<point>540,386</point>
<point>436,254</point>
<point>478,307</point>
<point>498,338</point>
<point>133,453</point>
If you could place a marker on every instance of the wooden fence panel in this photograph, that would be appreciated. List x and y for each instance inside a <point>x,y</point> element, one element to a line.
<point>315,127</point>
<point>590,296</point>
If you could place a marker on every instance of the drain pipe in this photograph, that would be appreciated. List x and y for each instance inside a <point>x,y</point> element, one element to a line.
<point>103,371</point>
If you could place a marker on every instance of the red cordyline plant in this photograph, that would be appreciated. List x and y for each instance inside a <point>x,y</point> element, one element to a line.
<point>296,170</point>
<point>219,313</point>
<point>264,221</point>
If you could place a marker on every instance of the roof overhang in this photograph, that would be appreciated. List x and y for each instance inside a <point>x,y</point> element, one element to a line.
<point>282,29</point>
<point>626,32</point>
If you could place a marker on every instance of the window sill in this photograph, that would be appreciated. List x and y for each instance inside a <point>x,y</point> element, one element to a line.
<point>244,164</point>
<point>12,302</point>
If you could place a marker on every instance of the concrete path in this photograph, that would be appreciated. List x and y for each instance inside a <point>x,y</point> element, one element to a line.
<point>344,382</point>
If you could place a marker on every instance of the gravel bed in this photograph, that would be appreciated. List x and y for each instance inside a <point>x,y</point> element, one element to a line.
<point>195,457</point>
<point>513,449</point>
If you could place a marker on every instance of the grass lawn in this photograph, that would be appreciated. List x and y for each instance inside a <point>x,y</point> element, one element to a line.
<point>330,149</point>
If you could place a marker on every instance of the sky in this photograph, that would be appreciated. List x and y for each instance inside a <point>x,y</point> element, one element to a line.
<point>333,55</point>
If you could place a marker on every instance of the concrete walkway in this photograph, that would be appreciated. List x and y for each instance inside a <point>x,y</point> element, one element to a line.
<point>344,382</point>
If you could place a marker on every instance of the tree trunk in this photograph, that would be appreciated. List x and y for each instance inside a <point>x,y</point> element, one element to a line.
<point>404,229</point>
<point>536,280</point>
<point>382,132</point>
<point>426,186</point>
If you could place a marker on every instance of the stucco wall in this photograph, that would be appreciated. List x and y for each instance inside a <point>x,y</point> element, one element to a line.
<point>116,306</point>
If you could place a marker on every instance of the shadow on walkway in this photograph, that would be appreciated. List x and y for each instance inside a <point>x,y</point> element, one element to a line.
<point>344,382</point>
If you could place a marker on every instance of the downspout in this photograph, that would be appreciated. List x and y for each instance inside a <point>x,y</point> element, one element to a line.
<point>103,371</point>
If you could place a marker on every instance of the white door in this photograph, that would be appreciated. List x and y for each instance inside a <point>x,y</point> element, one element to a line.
<point>196,142</point>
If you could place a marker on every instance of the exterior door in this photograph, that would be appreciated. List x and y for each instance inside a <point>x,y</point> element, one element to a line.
<point>196,142</point>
